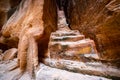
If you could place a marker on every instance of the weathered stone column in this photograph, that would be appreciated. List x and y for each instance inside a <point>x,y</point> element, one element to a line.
<point>30,26</point>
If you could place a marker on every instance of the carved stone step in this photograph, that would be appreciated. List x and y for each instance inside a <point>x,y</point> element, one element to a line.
<point>91,68</point>
<point>68,44</point>
<point>71,50</point>
<point>67,38</point>
<point>65,33</point>
<point>61,45</point>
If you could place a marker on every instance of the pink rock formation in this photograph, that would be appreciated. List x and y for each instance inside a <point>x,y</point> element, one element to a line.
<point>29,28</point>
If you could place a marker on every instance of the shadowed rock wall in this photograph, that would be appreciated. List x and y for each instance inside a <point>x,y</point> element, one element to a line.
<point>6,6</point>
<point>99,20</point>
<point>50,25</point>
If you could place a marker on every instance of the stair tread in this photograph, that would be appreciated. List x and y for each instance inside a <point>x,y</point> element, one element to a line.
<point>65,33</point>
<point>60,37</point>
<point>84,41</point>
<point>67,38</point>
<point>69,44</point>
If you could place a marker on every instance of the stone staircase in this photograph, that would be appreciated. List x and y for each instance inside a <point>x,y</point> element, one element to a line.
<point>69,50</point>
<point>65,47</point>
<point>69,44</point>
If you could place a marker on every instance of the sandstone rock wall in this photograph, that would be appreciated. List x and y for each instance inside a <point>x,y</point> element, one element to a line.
<point>28,29</point>
<point>33,22</point>
<point>5,8</point>
<point>50,25</point>
<point>99,20</point>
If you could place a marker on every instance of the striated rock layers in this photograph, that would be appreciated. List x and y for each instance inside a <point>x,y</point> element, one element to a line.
<point>69,44</point>
<point>26,33</point>
<point>7,7</point>
<point>99,20</point>
<point>28,29</point>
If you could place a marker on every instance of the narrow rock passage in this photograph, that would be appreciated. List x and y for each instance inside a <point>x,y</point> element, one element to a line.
<point>69,50</point>
<point>72,56</point>
<point>69,44</point>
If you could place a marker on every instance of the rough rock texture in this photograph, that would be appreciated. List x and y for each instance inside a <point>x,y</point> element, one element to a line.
<point>91,68</point>
<point>21,27</point>
<point>67,47</point>
<point>9,71</point>
<point>48,73</point>
<point>1,55</point>
<point>28,28</point>
<point>50,25</point>
<point>99,20</point>
<point>10,54</point>
<point>69,44</point>
<point>5,8</point>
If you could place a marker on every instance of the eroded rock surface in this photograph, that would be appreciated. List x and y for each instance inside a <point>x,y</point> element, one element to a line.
<point>10,54</point>
<point>9,71</point>
<point>69,44</point>
<point>91,68</point>
<point>6,6</point>
<point>48,73</point>
<point>100,21</point>
<point>29,28</point>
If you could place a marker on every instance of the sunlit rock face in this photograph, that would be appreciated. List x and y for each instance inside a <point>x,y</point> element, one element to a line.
<point>7,8</point>
<point>28,29</point>
<point>99,20</point>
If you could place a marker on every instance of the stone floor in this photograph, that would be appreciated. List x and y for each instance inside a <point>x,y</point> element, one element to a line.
<point>9,71</point>
<point>48,73</point>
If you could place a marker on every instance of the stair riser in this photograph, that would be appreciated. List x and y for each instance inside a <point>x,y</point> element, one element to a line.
<point>78,50</point>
